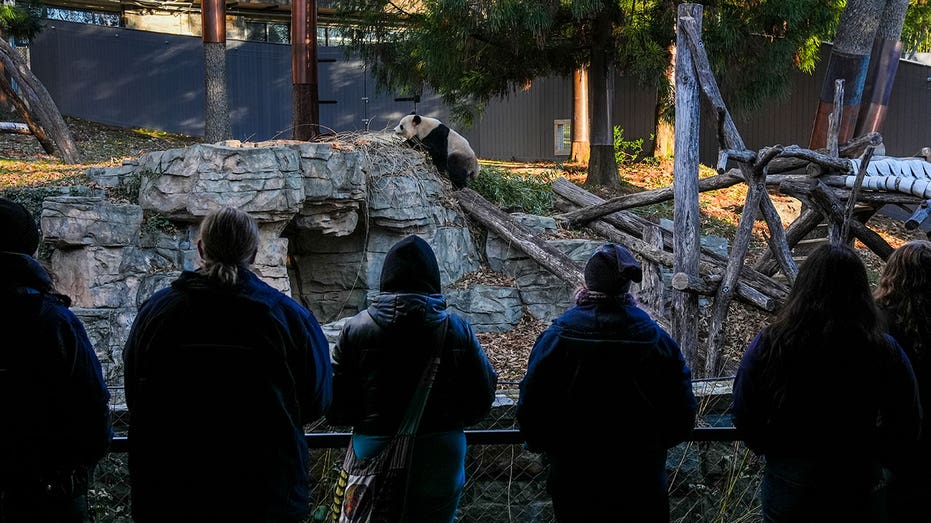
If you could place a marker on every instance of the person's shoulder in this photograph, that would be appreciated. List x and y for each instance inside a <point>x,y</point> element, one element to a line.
<point>161,301</point>
<point>54,309</point>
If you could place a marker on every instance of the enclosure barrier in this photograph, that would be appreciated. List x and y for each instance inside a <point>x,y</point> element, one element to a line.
<point>713,477</point>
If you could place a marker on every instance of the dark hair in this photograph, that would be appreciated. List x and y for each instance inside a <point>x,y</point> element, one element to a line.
<point>905,289</point>
<point>830,306</point>
<point>230,240</point>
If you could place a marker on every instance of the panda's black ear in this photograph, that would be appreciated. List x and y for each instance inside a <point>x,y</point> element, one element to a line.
<point>416,119</point>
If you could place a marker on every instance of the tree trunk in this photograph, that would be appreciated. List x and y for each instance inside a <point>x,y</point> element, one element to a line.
<point>305,99</point>
<point>36,106</point>
<point>581,126</point>
<point>665,134</point>
<point>602,168</point>
<point>848,61</point>
<point>216,110</point>
<point>884,62</point>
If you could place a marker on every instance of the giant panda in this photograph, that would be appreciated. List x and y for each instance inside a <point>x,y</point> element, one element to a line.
<point>450,152</point>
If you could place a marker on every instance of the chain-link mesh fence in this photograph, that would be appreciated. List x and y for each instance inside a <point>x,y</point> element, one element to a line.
<point>710,481</point>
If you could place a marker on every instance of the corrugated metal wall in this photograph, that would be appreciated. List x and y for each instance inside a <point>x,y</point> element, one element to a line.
<point>123,77</point>
<point>141,79</point>
<point>135,78</point>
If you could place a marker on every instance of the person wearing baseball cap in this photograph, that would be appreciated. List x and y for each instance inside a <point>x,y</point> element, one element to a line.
<point>53,399</point>
<point>602,360</point>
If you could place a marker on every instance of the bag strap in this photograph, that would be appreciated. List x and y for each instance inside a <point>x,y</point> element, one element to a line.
<point>411,421</point>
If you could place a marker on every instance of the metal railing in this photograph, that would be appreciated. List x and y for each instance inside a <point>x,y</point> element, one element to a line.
<point>712,477</point>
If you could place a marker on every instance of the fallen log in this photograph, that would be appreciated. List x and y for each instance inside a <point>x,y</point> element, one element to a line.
<point>709,287</point>
<point>520,236</point>
<point>523,238</point>
<point>640,199</point>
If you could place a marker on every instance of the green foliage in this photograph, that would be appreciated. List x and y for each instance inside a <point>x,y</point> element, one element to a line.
<point>626,151</point>
<point>23,20</point>
<point>916,33</point>
<point>753,44</point>
<point>515,192</point>
<point>473,51</point>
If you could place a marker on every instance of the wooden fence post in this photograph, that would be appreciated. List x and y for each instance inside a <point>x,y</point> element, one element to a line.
<point>686,239</point>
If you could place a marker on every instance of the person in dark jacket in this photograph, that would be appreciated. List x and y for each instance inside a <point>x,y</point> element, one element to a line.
<point>605,358</point>
<point>904,299</point>
<point>222,374</point>
<point>377,365</point>
<point>822,393</point>
<point>53,400</point>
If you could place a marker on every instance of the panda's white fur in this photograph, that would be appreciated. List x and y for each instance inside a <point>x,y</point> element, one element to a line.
<point>450,151</point>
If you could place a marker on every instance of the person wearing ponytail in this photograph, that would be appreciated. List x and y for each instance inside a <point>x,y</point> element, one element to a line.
<point>222,373</point>
<point>601,361</point>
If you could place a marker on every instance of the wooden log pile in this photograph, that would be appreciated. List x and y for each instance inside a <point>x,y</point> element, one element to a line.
<point>817,178</point>
<point>821,188</point>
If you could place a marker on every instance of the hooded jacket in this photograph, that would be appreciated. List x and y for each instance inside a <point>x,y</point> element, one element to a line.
<point>53,400</point>
<point>605,361</point>
<point>220,382</point>
<point>381,354</point>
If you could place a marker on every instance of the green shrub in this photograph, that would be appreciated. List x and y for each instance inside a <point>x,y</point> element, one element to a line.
<point>516,192</point>
<point>627,151</point>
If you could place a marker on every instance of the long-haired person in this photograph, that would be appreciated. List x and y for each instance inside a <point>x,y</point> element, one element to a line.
<point>222,373</point>
<point>822,393</point>
<point>904,298</point>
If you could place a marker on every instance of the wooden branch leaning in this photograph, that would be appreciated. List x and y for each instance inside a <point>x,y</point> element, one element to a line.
<point>829,163</point>
<point>852,148</point>
<point>834,119</point>
<point>804,224</point>
<point>627,228</point>
<point>36,106</point>
<point>820,196</point>
<point>503,225</point>
<point>640,199</point>
<point>756,193</point>
<point>855,191</point>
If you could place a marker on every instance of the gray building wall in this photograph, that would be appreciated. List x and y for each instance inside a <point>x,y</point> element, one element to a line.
<point>136,78</point>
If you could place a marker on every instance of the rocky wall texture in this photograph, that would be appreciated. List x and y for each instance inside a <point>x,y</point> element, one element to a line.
<point>327,216</point>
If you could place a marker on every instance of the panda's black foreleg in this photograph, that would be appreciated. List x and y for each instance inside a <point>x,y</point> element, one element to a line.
<point>458,170</point>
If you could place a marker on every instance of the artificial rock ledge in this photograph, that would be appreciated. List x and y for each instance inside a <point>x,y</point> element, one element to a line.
<point>327,217</point>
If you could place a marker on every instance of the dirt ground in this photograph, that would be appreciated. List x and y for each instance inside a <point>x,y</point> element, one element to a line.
<point>23,163</point>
